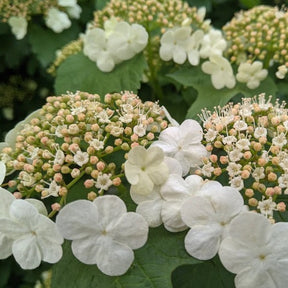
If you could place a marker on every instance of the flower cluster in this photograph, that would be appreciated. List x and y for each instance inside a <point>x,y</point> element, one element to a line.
<point>214,214</point>
<point>259,34</point>
<point>56,14</point>
<point>118,42</point>
<point>248,143</point>
<point>76,136</point>
<point>153,15</point>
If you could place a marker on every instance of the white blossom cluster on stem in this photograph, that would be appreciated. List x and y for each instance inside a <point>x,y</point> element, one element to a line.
<point>251,138</point>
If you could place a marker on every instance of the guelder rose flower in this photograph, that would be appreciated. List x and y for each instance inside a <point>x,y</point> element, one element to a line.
<point>150,205</point>
<point>221,72</point>
<point>19,26</point>
<point>103,232</point>
<point>208,215</point>
<point>57,20</point>
<point>256,251</point>
<point>251,74</point>
<point>145,168</point>
<point>174,43</point>
<point>33,236</point>
<point>183,143</point>
<point>193,45</point>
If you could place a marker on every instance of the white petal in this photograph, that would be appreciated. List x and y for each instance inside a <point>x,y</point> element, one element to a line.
<point>26,252</point>
<point>110,208</point>
<point>138,198</point>
<point>78,219</point>
<point>179,55</point>
<point>171,216</point>
<point>114,258</point>
<point>202,241</point>
<point>158,174</point>
<point>235,256</point>
<point>242,225</point>
<point>251,278</point>
<point>151,211</point>
<point>6,199</point>
<point>191,132</point>
<point>173,165</point>
<point>144,185</point>
<point>131,230</point>
<point>154,156</point>
<point>197,210</point>
<point>50,251</point>
<point>13,229</point>
<point>5,246</point>
<point>39,205</point>
<point>2,172</point>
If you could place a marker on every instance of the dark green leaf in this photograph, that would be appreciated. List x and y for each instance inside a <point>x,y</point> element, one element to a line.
<point>209,97</point>
<point>45,42</point>
<point>152,267</point>
<point>77,72</point>
<point>204,275</point>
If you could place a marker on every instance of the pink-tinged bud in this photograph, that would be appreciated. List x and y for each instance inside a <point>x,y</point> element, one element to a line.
<point>213,158</point>
<point>275,149</point>
<point>272,176</point>
<point>257,146</point>
<point>253,202</point>
<point>219,127</point>
<point>218,144</point>
<point>95,127</point>
<point>65,147</point>
<point>281,207</point>
<point>91,196</point>
<point>118,142</point>
<point>261,162</point>
<point>95,174</point>
<point>58,177</point>
<point>89,183</point>
<point>150,136</point>
<point>100,166</point>
<point>116,181</point>
<point>93,159</point>
<point>134,144</point>
<point>39,188</point>
<point>12,183</point>
<point>81,116</point>
<point>134,137</point>
<point>74,147</point>
<point>247,155</point>
<point>249,193</point>
<point>21,158</point>
<point>109,149</point>
<point>29,168</point>
<point>55,206</point>
<point>269,192</point>
<point>224,159</point>
<point>217,171</point>
<point>44,140</point>
<point>75,173</point>
<point>69,158</point>
<point>67,139</point>
<point>278,190</point>
<point>163,125</point>
<point>69,118</point>
<point>275,160</point>
<point>275,120</point>
<point>63,191</point>
<point>209,147</point>
<point>65,169</point>
<point>245,174</point>
<point>17,195</point>
<point>107,98</point>
<point>56,167</point>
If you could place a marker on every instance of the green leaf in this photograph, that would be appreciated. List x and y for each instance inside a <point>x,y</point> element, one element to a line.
<point>45,42</point>
<point>209,97</point>
<point>205,275</point>
<point>152,267</point>
<point>77,72</point>
<point>249,3</point>
<point>5,268</point>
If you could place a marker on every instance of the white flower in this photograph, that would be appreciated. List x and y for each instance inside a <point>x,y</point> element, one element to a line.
<point>26,179</point>
<point>243,144</point>
<point>19,26</point>
<point>57,20</point>
<point>52,190</point>
<point>193,45</point>
<point>67,3</point>
<point>282,71</point>
<point>267,206</point>
<point>210,135</point>
<point>207,169</point>
<point>96,144</point>
<point>81,158</point>
<point>258,173</point>
<point>233,169</point>
<point>34,236</point>
<point>251,74</point>
<point>174,192</point>
<point>229,140</point>
<point>59,157</point>
<point>139,130</point>
<point>74,11</point>
<point>150,205</point>
<point>235,155</point>
<point>145,168</point>
<point>260,132</point>
<point>237,182</point>
<point>208,216</point>
<point>213,43</point>
<point>174,44</point>
<point>279,140</point>
<point>221,72</point>
<point>256,251</point>
<point>240,125</point>
<point>183,143</point>
<point>103,233</point>
<point>103,181</point>
<point>6,199</point>
<point>127,40</point>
